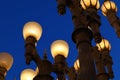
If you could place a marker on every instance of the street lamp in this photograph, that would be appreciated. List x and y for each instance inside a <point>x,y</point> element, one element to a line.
<point>32,29</point>
<point>6,61</point>
<point>104,47</point>
<point>87,22</point>
<point>109,9</point>
<point>59,47</point>
<point>59,50</point>
<point>91,7</point>
<point>27,74</point>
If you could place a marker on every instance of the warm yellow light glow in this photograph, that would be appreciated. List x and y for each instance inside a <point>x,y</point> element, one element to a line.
<point>6,60</point>
<point>88,3</point>
<point>85,2</point>
<point>59,47</point>
<point>77,65</point>
<point>108,5</point>
<point>93,2</point>
<point>28,74</point>
<point>104,44</point>
<point>32,29</point>
<point>98,5</point>
<point>37,70</point>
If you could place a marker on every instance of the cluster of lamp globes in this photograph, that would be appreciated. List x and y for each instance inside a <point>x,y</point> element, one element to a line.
<point>58,47</point>
<point>34,29</point>
<point>107,5</point>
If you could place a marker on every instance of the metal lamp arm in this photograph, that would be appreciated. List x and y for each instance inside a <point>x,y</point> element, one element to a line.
<point>36,57</point>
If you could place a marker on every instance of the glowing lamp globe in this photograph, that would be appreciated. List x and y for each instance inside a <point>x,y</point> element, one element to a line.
<point>33,29</point>
<point>90,3</point>
<point>108,6</point>
<point>59,47</point>
<point>104,45</point>
<point>77,65</point>
<point>27,74</point>
<point>37,70</point>
<point>6,60</point>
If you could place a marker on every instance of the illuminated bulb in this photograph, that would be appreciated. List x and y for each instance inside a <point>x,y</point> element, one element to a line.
<point>88,3</point>
<point>27,74</point>
<point>33,29</point>
<point>6,60</point>
<point>108,5</point>
<point>77,65</point>
<point>104,44</point>
<point>59,47</point>
<point>37,70</point>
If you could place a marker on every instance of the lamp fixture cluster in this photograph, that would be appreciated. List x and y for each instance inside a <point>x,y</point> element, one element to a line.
<point>86,27</point>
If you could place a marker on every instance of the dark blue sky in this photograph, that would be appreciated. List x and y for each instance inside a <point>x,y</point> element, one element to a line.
<point>15,13</point>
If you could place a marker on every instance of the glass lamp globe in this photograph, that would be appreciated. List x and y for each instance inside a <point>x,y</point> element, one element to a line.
<point>28,74</point>
<point>108,5</point>
<point>37,70</point>
<point>103,45</point>
<point>90,3</point>
<point>33,29</point>
<point>59,47</point>
<point>6,60</point>
<point>77,65</point>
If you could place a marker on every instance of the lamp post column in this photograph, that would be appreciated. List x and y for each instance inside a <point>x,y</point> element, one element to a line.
<point>114,21</point>
<point>101,72</point>
<point>2,73</point>
<point>59,67</point>
<point>82,37</point>
<point>109,9</point>
<point>108,63</point>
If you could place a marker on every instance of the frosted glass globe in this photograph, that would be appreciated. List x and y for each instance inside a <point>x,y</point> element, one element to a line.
<point>59,47</point>
<point>104,44</point>
<point>32,29</point>
<point>37,70</point>
<point>28,74</point>
<point>77,65</point>
<point>108,5</point>
<point>87,3</point>
<point>6,60</point>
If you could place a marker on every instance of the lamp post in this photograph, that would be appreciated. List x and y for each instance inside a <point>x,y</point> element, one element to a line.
<point>109,10</point>
<point>104,47</point>
<point>86,23</point>
<point>27,74</point>
<point>91,7</point>
<point>6,61</point>
<point>59,49</point>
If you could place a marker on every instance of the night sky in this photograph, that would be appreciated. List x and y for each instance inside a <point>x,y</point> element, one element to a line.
<point>15,13</point>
